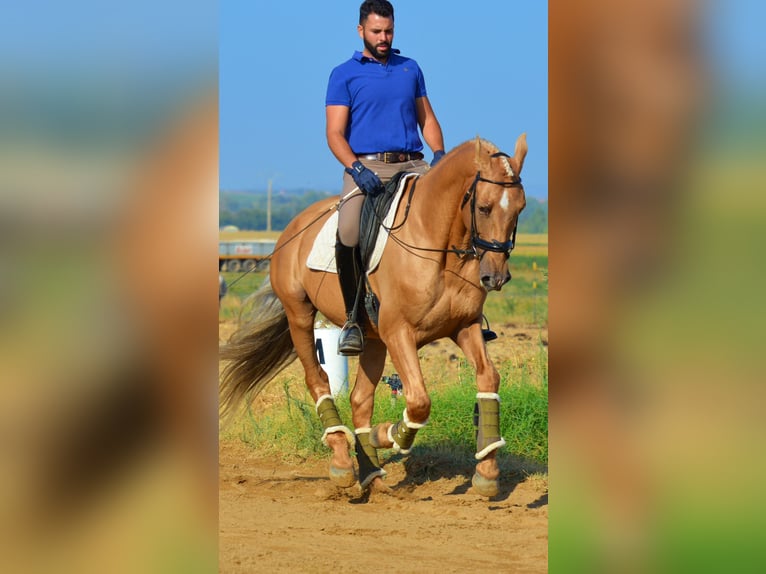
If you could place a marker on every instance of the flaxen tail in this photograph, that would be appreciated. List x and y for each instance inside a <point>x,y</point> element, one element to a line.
<point>259,349</point>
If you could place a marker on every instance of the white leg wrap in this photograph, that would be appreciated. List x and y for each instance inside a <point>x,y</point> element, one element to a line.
<point>485,451</point>
<point>340,428</point>
<point>337,428</point>
<point>497,444</point>
<point>410,425</point>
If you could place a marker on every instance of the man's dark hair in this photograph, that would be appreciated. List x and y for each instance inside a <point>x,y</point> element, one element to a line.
<point>379,7</point>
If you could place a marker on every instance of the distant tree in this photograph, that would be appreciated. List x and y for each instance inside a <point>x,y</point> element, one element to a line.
<point>534,218</point>
<point>247,209</point>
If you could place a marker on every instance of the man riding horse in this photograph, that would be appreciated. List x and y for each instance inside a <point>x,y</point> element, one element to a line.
<point>449,244</point>
<point>375,102</point>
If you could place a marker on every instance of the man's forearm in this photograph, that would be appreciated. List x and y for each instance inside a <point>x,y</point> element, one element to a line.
<point>340,149</point>
<point>432,133</point>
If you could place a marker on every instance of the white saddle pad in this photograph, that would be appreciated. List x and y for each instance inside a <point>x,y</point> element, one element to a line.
<point>322,256</point>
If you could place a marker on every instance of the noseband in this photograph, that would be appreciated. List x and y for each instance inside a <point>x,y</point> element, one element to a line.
<point>476,241</point>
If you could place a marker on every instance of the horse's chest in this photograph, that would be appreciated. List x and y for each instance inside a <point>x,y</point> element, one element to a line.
<point>466,306</point>
<point>453,308</point>
<point>434,309</point>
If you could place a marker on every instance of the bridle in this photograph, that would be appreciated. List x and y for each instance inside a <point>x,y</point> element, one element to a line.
<point>477,242</point>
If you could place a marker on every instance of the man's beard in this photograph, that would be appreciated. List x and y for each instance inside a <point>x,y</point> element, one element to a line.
<point>374,50</point>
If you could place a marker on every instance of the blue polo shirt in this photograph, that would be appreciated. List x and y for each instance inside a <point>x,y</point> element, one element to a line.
<point>381,101</point>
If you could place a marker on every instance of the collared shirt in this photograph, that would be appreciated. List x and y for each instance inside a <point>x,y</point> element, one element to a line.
<point>381,101</point>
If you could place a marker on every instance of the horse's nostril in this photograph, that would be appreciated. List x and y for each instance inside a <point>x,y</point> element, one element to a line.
<point>491,282</point>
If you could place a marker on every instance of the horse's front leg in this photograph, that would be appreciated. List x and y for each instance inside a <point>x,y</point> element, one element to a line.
<point>487,410</point>
<point>371,365</point>
<point>401,435</point>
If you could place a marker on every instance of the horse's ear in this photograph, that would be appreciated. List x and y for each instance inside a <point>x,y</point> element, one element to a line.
<point>481,159</point>
<point>520,152</point>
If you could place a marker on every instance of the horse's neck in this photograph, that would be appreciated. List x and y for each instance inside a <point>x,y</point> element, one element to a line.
<point>440,209</point>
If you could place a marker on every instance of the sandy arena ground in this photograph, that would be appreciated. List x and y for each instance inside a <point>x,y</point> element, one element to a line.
<point>276,516</point>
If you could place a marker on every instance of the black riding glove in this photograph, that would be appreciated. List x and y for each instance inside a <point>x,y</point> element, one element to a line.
<point>365,178</point>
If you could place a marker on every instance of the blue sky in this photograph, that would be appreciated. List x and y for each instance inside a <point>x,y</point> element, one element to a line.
<point>485,64</point>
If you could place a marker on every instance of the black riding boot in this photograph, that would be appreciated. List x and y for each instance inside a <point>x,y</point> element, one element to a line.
<point>351,340</point>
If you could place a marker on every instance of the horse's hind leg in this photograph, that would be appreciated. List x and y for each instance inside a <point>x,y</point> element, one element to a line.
<point>371,364</point>
<point>300,316</point>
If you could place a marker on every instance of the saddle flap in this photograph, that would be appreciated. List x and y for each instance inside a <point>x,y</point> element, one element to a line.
<point>374,211</point>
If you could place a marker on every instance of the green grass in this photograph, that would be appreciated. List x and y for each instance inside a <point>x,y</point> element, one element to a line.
<point>240,286</point>
<point>289,427</point>
<point>292,429</point>
<point>523,301</point>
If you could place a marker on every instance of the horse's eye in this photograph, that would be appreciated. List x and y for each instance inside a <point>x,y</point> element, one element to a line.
<point>485,209</point>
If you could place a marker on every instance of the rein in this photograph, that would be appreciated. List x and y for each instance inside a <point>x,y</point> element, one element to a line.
<point>295,236</point>
<point>476,242</point>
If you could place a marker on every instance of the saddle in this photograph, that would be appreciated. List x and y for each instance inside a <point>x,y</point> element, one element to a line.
<point>374,210</point>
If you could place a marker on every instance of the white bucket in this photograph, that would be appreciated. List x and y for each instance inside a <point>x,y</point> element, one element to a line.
<point>335,365</point>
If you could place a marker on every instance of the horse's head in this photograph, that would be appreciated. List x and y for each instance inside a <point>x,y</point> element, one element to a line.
<point>491,209</point>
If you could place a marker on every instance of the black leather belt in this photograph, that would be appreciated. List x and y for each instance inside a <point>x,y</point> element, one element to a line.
<point>392,156</point>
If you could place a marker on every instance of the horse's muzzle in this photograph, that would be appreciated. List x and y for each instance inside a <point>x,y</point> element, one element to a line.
<point>495,281</point>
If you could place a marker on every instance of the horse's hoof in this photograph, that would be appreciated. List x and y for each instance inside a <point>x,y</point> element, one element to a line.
<point>484,486</point>
<point>377,485</point>
<point>342,477</point>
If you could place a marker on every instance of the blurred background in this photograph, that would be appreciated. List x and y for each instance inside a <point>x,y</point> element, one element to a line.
<point>656,218</point>
<point>108,210</point>
<point>108,337</point>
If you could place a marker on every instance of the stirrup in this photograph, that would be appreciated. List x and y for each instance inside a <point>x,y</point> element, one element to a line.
<point>351,339</point>
<point>487,334</point>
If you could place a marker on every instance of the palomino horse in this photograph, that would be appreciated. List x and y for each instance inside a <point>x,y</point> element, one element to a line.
<point>446,250</point>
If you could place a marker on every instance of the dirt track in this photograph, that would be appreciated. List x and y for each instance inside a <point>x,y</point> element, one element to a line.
<point>282,517</point>
<point>276,517</point>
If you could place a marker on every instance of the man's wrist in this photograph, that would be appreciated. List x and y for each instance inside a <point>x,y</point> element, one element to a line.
<point>356,167</point>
